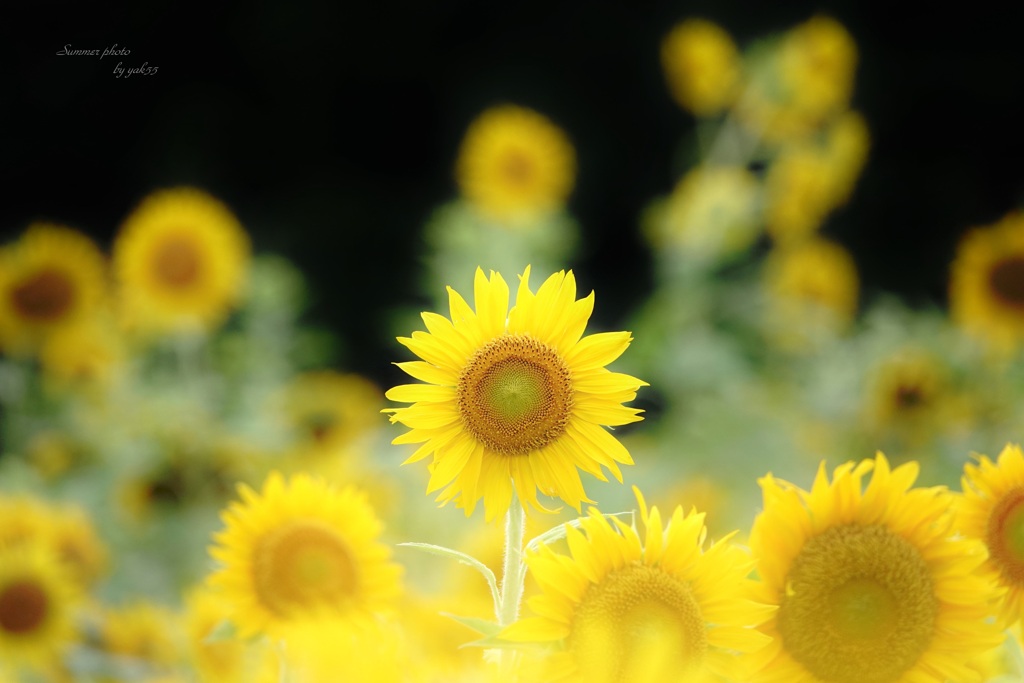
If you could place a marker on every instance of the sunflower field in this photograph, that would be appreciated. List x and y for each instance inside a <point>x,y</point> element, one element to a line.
<point>762,475</point>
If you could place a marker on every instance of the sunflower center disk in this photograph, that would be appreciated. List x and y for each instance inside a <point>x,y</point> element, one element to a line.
<point>515,395</point>
<point>859,606</point>
<point>1007,281</point>
<point>517,167</point>
<point>23,607</point>
<point>1005,536</point>
<point>44,297</point>
<point>637,624</point>
<point>303,566</point>
<point>177,262</point>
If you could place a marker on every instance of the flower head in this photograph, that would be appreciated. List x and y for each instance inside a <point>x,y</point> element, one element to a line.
<point>702,66</point>
<point>300,549</point>
<point>872,584</point>
<point>992,511</point>
<point>659,608</point>
<point>50,279</point>
<point>986,289</point>
<point>515,398</point>
<point>514,163</point>
<point>181,261</point>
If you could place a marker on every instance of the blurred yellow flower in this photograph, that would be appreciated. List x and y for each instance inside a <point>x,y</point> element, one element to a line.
<point>301,549</point>
<point>812,288</point>
<point>908,396</point>
<point>986,289</point>
<point>514,164</point>
<point>329,412</point>
<point>713,212</point>
<point>992,511</point>
<point>515,398</point>
<point>798,194</point>
<point>798,83</point>
<point>701,65</point>
<point>37,600</point>
<point>871,584</point>
<point>181,261</point>
<point>90,352</point>
<point>847,142</point>
<point>654,609</point>
<point>50,278</point>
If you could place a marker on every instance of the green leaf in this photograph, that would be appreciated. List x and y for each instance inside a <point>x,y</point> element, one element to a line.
<point>558,533</point>
<point>465,559</point>
<point>481,626</point>
<point>224,630</point>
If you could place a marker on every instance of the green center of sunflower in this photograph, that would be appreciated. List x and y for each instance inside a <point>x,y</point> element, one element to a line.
<point>859,605</point>
<point>637,624</point>
<point>177,262</point>
<point>1007,281</point>
<point>1005,536</point>
<point>44,296</point>
<point>23,607</point>
<point>302,566</point>
<point>515,395</point>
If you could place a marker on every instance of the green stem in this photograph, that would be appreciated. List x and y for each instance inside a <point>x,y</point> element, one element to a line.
<point>513,576</point>
<point>513,572</point>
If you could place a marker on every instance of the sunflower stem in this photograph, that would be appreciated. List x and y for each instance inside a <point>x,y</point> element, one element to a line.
<point>513,575</point>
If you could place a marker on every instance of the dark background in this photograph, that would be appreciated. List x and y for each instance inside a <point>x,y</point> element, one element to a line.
<point>331,129</point>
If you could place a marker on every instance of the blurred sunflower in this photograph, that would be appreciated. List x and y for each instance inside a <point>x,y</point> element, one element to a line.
<point>908,396</point>
<point>701,65</point>
<point>812,288</point>
<point>992,510</point>
<point>77,544</point>
<point>515,164</point>
<point>660,612</point>
<point>712,213</point>
<point>800,81</point>
<point>50,278</point>
<point>298,550</point>
<point>90,353</point>
<point>37,599</point>
<point>872,584</point>
<point>329,412</point>
<point>986,289</point>
<point>515,398</point>
<point>847,142</point>
<point>180,260</point>
<point>798,194</point>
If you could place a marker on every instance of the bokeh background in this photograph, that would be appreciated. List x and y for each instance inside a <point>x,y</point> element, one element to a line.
<point>331,130</point>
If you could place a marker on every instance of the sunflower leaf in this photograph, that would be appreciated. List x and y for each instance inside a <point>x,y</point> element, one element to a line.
<point>481,626</point>
<point>558,532</point>
<point>224,630</point>
<point>465,559</point>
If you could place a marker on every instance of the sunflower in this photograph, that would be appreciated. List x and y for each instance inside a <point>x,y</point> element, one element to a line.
<point>666,610</point>
<point>909,396</point>
<point>986,289</point>
<point>702,66</point>
<point>37,598</point>
<point>329,412</point>
<point>515,164</point>
<point>873,586</point>
<point>515,398</point>
<point>301,549</point>
<point>50,278</point>
<point>713,212</point>
<point>992,510</point>
<point>180,259</point>
<point>801,81</point>
<point>812,289</point>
